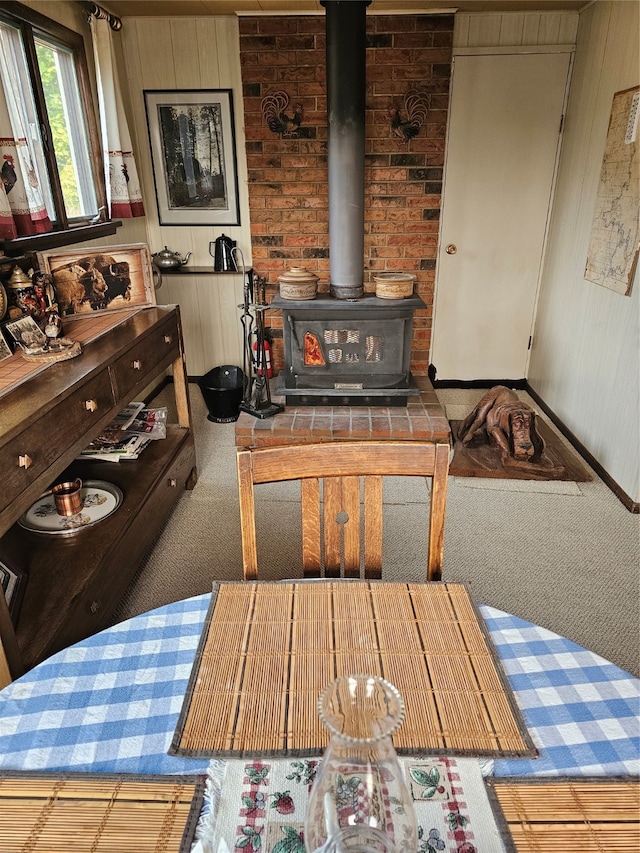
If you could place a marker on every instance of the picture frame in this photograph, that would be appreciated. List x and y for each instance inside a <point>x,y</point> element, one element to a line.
<point>193,154</point>
<point>5,349</point>
<point>13,582</point>
<point>105,278</point>
<point>27,333</point>
<point>614,241</point>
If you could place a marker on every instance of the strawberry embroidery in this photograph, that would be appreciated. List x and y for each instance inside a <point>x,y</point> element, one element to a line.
<point>283,802</point>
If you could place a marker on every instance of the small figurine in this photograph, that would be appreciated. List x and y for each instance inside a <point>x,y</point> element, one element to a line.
<point>43,294</point>
<point>507,422</point>
<point>53,326</point>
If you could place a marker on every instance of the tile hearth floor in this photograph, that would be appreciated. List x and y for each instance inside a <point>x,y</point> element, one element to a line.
<point>422,419</point>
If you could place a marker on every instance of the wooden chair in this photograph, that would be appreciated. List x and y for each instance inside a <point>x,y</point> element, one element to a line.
<point>331,515</point>
<point>10,661</point>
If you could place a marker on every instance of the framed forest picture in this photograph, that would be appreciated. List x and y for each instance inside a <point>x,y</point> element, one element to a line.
<point>192,139</point>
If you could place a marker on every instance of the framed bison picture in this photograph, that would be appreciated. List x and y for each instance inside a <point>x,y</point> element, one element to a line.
<point>107,278</point>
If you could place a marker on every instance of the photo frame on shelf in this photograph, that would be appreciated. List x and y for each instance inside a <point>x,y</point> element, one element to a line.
<point>193,153</point>
<point>107,278</point>
<point>5,349</point>
<point>13,582</point>
<point>27,333</point>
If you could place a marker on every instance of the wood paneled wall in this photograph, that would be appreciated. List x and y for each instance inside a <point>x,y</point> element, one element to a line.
<point>585,360</point>
<point>514,29</point>
<point>191,53</point>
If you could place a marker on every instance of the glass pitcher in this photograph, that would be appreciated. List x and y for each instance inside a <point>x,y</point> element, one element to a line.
<point>360,802</point>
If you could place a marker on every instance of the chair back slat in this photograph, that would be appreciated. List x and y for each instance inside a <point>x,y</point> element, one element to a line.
<point>11,665</point>
<point>247,516</point>
<point>351,527</point>
<point>5,673</point>
<point>330,476</point>
<point>311,528</point>
<point>373,526</point>
<point>332,498</point>
<point>343,459</point>
<point>438,509</point>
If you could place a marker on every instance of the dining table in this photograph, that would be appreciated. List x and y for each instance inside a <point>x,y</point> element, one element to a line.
<point>110,704</point>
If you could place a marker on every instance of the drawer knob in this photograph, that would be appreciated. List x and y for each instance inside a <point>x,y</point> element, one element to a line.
<point>137,364</point>
<point>95,606</point>
<point>25,461</point>
<point>173,483</point>
<point>168,339</point>
<point>91,405</point>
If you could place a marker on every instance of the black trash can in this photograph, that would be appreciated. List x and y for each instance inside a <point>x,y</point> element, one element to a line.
<point>222,389</point>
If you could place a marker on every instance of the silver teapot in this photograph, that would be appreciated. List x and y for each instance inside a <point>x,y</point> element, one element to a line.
<point>168,260</point>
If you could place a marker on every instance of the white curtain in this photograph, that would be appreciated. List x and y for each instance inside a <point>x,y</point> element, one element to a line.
<point>22,206</point>
<point>124,197</point>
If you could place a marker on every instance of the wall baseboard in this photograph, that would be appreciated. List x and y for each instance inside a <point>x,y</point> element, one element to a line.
<point>607,479</point>
<point>518,384</point>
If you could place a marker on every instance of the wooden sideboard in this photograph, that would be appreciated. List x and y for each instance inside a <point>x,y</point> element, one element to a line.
<point>76,581</point>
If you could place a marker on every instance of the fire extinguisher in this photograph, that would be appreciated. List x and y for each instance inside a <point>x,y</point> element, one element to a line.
<point>258,360</point>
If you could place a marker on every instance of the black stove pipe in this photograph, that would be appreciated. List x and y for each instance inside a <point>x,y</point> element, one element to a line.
<point>346,82</point>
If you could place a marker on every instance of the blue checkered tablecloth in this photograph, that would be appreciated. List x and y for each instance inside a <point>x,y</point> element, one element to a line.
<point>110,703</point>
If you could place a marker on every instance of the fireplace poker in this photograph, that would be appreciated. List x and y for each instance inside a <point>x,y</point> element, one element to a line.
<point>247,321</point>
<point>256,398</point>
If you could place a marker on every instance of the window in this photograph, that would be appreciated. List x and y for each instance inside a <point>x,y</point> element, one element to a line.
<point>44,75</point>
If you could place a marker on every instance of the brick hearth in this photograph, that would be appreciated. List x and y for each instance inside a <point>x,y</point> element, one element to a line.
<point>422,420</point>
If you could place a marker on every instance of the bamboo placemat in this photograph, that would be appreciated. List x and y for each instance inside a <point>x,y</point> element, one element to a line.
<point>268,649</point>
<point>88,813</point>
<point>560,815</point>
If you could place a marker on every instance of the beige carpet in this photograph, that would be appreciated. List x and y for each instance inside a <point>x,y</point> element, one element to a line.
<point>564,555</point>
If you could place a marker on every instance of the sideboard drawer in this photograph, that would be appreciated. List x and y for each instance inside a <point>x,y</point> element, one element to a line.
<point>28,456</point>
<point>144,359</point>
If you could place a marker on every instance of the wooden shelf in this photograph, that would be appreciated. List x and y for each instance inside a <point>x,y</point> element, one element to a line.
<point>187,270</point>
<point>75,582</point>
<point>56,239</point>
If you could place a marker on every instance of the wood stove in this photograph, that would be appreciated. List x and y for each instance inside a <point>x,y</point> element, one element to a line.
<point>338,352</point>
<point>347,347</point>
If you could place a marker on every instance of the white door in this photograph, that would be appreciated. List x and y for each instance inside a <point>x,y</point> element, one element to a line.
<point>503,139</point>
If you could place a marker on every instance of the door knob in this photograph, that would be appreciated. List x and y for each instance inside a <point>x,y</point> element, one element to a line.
<point>451,249</point>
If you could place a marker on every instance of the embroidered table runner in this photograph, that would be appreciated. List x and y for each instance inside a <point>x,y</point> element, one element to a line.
<point>90,813</point>
<point>268,649</point>
<point>261,805</point>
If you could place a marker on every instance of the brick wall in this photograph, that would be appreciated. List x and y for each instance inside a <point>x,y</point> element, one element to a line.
<point>403,179</point>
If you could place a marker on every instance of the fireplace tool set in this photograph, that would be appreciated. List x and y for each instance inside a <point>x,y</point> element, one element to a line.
<point>256,399</point>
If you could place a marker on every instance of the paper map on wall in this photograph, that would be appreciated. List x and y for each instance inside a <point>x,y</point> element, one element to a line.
<point>615,232</point>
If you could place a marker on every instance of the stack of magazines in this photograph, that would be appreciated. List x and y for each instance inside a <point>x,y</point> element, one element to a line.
<point>133,429</point>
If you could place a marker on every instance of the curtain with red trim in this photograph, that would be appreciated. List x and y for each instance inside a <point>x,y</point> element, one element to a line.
<point>124,196</point>
<point>22,207</point>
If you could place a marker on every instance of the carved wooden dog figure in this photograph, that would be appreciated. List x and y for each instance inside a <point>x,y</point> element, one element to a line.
<point>509,423</point>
